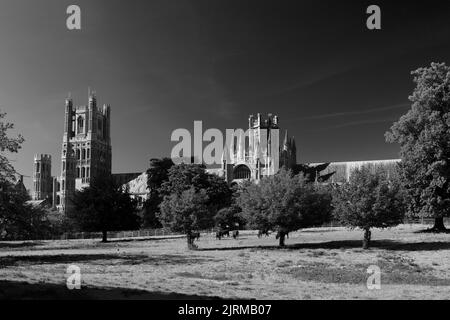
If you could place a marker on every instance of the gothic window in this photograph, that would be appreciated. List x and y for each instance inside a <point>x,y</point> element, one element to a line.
<point>78,154</point>
<point>58,200</point>
<point>83,172</point>
<point>80,124</point>
<point>88,153</point>
<point>87,172</point>
<point>78,172</point>
<point>83,154</point>
<point>241,172</point>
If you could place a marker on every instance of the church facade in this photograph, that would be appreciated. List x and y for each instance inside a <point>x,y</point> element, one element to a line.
<point>257,153</point>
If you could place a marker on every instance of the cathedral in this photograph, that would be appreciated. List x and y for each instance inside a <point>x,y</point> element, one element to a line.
<point>257,153</point>
<point>86,152</point>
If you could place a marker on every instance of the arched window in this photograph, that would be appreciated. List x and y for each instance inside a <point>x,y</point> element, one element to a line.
<point>78,154</point>
<point>83,154</point>
<point>78,172</point>
<point>83,172</point>
<point>80,124</point>
<point>241,172</point>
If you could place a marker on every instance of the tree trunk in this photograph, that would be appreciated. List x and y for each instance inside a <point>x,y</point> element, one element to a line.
<point>104,236</point>
<point>366,240</point>
<point>439,225</point>
<point>282,235</point>
<point>190,241</point>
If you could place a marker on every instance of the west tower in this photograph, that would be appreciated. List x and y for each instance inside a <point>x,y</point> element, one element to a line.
<point>86,148</point>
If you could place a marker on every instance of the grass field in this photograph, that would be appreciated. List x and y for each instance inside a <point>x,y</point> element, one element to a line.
<point>321,263</point>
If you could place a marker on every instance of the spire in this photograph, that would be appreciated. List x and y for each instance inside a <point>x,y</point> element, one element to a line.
<point>225,154</point>
<point>240,152</point>
<point>285,142</point>
<point>257,154</point>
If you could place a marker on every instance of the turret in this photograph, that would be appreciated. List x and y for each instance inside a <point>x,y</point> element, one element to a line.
<point>42,179</point>
<point>68,118</point>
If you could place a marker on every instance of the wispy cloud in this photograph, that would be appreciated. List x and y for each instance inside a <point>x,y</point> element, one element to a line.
<point>354,124</point>
<point>350,113</point>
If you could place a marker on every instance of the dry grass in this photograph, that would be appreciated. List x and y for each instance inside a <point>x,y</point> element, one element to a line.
<point>325,263</point>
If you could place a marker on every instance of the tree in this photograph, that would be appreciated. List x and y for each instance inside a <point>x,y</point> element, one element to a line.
<point>158,173</point>
<point>184,176</point>
<point>187,211</point>
<point>229,216</point>
<point>284,202</point>
<point>104,207</point>
<point>191,199</point>
<point>19,220</point>
<point>7,144</point>
<point>424,137</point>
<point>369,201</point>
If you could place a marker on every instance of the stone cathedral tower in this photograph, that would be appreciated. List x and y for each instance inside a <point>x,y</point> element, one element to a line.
<point>42,177</point>
<point>257,153</point>
<point>86,148</point>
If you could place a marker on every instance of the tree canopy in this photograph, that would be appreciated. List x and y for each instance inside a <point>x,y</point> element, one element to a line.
<point>192,198</point>
<point>104,207</point>
<point>423,134</point>
<point>7,144</point>
<point>368,201</point>
<point>158,173</point>
<point>284,202</point>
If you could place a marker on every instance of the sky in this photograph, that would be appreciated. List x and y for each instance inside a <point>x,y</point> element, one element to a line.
<point>162,64</point>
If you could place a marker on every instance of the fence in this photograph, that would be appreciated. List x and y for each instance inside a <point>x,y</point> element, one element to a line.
<point>126,234</point>
<point>165,232</point>
<point>424,221</point>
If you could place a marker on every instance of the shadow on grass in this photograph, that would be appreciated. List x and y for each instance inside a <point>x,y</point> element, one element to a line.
<point>11,290</point>
<point>16,245</point>
<point>164,259</point>
<point>433,231</point>
<point>393,272</point>
<point>317,231</point>
<point>149,238</point>
<point>348,244</point>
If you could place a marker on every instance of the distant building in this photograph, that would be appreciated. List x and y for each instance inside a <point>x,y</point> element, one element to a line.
<point>259,154</point>
<point>86,153</point>
<point>137,188</point>
<point>42,177</point>
<point>20,187</point>
<point>343,170</point>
